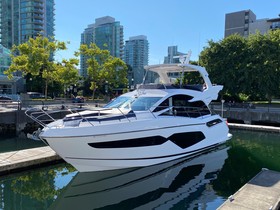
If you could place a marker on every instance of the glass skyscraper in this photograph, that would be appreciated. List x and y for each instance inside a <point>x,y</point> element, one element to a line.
<point>19,21</point>
<point>22,19</point>
<point>136,56</point>
<point>107,34</point>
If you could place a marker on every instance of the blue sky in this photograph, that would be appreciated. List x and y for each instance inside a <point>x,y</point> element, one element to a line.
<point>185,23</point>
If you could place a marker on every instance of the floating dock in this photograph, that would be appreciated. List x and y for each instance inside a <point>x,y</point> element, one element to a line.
<point>262,192</point>
<point>28,158</point>
<point>262,128</point>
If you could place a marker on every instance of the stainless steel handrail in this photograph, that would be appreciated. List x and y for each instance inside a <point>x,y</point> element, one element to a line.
<point>44,115</point>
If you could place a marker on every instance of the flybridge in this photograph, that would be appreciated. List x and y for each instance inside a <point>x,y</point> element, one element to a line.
<point>169,73</point>
<point>164,70</point>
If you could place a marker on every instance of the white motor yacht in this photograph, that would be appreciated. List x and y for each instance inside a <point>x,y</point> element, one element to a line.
<point>155,123</point>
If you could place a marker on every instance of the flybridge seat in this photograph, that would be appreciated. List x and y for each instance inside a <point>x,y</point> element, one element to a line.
<point>172,86</point>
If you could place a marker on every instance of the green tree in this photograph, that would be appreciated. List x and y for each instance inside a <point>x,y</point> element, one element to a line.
<point>67,73</point>
<point>223,60</point>
<point>34,57</point>
<point>102,68</point>
<point>247,67</point>
<point>264,64</point>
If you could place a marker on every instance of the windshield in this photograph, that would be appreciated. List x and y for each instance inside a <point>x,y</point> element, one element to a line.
<point>120,102</point>
<point>136,104</point>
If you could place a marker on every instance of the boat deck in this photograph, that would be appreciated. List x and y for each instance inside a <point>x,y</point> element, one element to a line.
<point>261,192</point>
<point>19,160</point>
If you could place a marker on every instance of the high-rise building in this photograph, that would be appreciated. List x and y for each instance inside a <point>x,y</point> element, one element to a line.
<point>245,22</point>
<point>8,86</point>
<point>136,56</point>
<point>87,38</point>
<point>19,21</point>
<point>107,34</point>
<point>173,55</point>
<point>22,19</point>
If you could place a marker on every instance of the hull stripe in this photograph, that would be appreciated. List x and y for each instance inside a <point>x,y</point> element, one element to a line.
<point>182,140</point>
<point>147,158</point>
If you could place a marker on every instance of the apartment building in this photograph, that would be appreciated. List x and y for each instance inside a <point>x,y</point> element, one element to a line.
<point>106,33</point>
<point>245,22</point>
<point>136,56</point>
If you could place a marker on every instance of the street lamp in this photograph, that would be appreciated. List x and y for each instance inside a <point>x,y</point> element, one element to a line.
<point>71,88</point>
<point>106,86</point>
<point>132,83</point>
<point>223,101</point>
<point>30,79</point>
<point>75,90</point>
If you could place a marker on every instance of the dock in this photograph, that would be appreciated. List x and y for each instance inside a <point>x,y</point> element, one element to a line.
<point>261,128</point>
<point>261,192</point>
<point>28,158</point>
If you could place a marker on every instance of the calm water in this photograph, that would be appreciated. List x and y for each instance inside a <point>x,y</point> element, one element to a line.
<point>203,182</point>
<point>11,143</point>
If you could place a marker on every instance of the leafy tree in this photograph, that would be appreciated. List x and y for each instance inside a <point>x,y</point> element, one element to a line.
<point>34,57</point>
<point>247,67</point>
<point>66,73</point>
<point>264,64</point>
<point>103,68</point>
<point>223,60</point>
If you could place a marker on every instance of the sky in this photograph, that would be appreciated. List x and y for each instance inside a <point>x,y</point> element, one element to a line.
<point>183,23</point>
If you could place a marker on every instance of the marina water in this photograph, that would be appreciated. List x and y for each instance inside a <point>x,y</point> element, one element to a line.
<point>203,182</point>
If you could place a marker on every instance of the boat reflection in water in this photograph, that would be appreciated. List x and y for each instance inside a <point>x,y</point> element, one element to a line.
<point>162,186</point>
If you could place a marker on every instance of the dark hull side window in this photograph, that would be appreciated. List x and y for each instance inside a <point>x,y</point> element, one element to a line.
<point>180,106</point>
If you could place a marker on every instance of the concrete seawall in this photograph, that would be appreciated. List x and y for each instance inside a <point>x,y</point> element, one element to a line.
<point>250,116</point>
<point>14,121</point>
<point>260,115</point>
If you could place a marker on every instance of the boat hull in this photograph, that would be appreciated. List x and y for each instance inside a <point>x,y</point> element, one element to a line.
<point>155,187</point>
<point>136,143</point>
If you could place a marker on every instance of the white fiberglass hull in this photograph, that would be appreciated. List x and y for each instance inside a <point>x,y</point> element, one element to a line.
<point>161,186</point>
<point>136,143</point>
